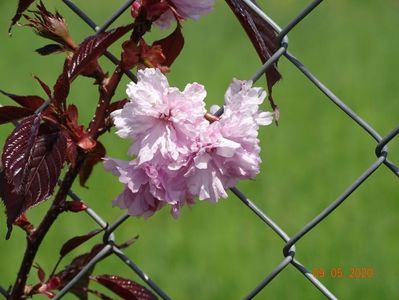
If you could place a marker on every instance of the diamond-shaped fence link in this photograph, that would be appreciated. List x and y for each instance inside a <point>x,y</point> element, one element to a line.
<point>289,248</point>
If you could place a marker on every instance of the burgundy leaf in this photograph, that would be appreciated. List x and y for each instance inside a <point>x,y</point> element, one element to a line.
<point>76,242</point>
<point>44,86</point>
<point>93,70</point>
<point>13,113</point>
<point>124,288</point>
<point>50,49</point>
<point>92,48</point>
<point>2,181</point>
<point>171,45</point>
<point>22,6</point>
<point>92,158</point>
<point>18,148</point>
<point>32,158</point>
<point>32,102</point>
<point>61,88</point>
<point>262,35</point>
<point>70,271</point>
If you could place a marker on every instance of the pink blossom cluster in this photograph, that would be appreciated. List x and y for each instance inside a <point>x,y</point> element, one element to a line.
<point>180,155</point>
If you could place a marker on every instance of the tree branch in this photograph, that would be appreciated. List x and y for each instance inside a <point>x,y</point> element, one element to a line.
<point>35,239</point>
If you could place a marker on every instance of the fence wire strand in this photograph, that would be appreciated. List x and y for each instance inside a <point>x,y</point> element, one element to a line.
<point>289,247</point>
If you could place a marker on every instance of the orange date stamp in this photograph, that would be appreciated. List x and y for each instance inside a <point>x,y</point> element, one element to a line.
<point>339,272</point>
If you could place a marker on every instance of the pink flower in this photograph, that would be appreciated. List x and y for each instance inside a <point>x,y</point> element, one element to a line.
<point>186,9</point>
<point>147,187</point>
<point>228,150</point>
<point>180,155</point>
<point>136,196</point>
<point>160,119</point>
<point>205,175</point>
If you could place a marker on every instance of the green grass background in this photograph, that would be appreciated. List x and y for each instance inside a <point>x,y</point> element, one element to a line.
<point>223,251</point>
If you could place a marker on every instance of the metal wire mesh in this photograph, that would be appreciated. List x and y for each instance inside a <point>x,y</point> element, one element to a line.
<point>289,249</point>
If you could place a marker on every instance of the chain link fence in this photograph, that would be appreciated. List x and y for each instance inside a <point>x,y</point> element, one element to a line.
<point>289,248</point>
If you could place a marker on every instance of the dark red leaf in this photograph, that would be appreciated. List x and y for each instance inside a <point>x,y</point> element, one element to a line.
<point>70,271</point>
<point>50,49</point>
<point>124,288</point>
<point>92,48</point>
<point>93,70</point>
<point>2,181</point>
<point>44,86</point>
<point>262,35</point>
<point>76,241</point>
<point>22,6</point>
<point>171,45</point>
<point>92,158</point>
<point>17,150</point>
<point>61,88</point>
<point>32,158</point>
<point>13,113</point>
<point>32,102</point>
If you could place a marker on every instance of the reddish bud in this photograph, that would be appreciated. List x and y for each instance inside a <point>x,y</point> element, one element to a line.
<point>40,273</point>
<point>75,206</point>
<point>86,142</point>
<point>136,5</point>
<point>53,283</point>
<point>130,55</point>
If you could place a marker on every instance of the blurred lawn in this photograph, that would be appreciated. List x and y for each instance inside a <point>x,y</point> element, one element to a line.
<point>223,251</point>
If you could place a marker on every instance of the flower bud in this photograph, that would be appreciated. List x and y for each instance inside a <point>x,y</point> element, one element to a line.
<point>50,26</point>
<point>76,206</point>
